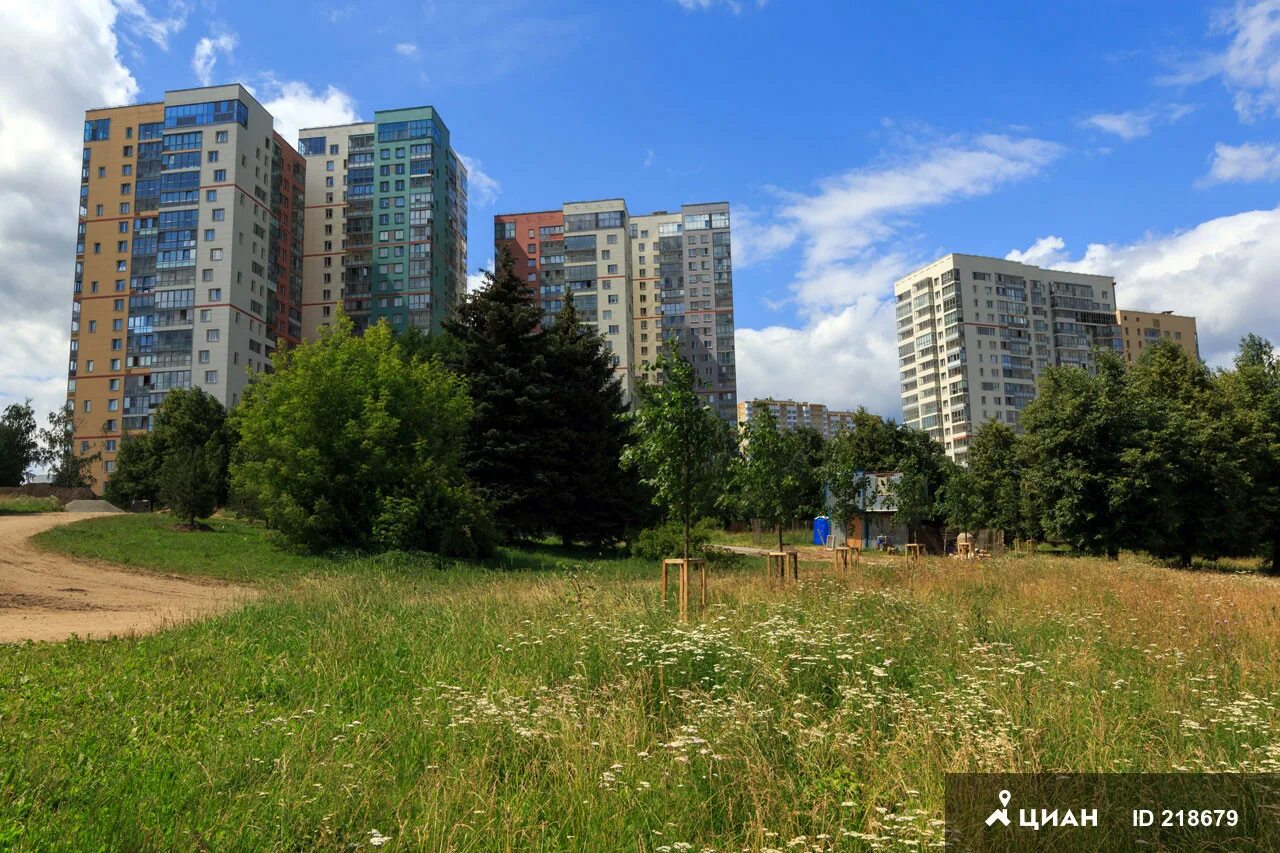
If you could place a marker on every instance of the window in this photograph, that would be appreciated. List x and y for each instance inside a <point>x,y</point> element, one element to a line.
<point>208,235</point>
<point>122,245</point>
<point>110,446</point>
<point>126,189</point>
<point>611,239</point>
<point>210,195</point>
<point>206,315</point>
<point>206,274</point>
<point>220,136</point>
<point>117,325</point>
<point>215,254</point>
<point>87,406</point>
<point>113,384</point>
<point>88,366</point>
<point>212,336</point>
<point>113,405</point>
<point>212,157</point>
<point>127,170</point>
<point>215,294</point>
<point>220,175</point>
<point>203,356</point>
<point>211,377</point>
<point>612,269</point>
<point>93,325</point>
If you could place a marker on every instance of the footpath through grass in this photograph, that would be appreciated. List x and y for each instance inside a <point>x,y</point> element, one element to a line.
<point>562,709</point>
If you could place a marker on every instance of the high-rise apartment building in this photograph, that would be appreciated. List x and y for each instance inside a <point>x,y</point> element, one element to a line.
<point>1140,329</point>
<point>188,257</point>
<point>386,223</point>
<point>974,334</point>
<point>640,280</point>
<point>792,414</point>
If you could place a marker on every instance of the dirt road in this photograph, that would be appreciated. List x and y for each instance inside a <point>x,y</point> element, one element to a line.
<point>46,596</point>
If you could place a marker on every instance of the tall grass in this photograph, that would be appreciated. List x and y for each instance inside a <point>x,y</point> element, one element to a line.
<point>486,709</point>
<point>24,504</point>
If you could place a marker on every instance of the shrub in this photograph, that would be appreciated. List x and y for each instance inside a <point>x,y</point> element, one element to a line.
<point>667,540</point>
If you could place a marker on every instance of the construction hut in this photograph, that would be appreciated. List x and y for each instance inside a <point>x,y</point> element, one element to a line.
<point>875,518</point>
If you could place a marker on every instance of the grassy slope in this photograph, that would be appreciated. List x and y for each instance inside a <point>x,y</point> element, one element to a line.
<point>23,505</point>
<point>561,709</point>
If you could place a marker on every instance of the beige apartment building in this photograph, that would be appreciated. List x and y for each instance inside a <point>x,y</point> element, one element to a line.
<point>1140,329</point>
<point>974,334</point>
<point>792,414</point>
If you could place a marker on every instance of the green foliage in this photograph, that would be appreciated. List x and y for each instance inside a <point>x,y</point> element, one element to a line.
<point>591,498</point>
<point>68,469</point>
<point>425,346</point>
<point>682,446</point>
<point>769,477</point>
<point>137,474</point>
<point>866,447</point>
<point>189,483</point>
<point>19,448</point>
<point>924,470</point>
<point>1252,390</point>
<point>23,504</point>
<point>350,444</point>
<point>660,542</point>
<point>812,449</point>
<point>501,352</point>
<point>988,492</point>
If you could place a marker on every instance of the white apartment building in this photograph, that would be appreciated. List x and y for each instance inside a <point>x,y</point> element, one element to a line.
<point>974,334</point>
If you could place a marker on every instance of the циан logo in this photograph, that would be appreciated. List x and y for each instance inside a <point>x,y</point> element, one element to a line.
<point>1001,815</point>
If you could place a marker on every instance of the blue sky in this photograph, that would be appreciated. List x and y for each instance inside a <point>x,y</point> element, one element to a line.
<point>855,142</point>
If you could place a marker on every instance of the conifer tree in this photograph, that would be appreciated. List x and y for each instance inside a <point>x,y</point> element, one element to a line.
<point>501,353</point>
<point>594,500</point>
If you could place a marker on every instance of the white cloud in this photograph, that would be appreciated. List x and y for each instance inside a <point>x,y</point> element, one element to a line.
<point>1222,272</point>
<point>407,49</point>
<point>851,237</point>
<point>475,280</point>
<point>1249,66</point>
<point>1128,126</point>
<point>736,6</point>
<point>649,158</point>
<point>1045,252</point>
<point>157,30</point>
<point>295,105</point>
<point>1243,163</point>
<point>482,189</point>
<point>206,55</point>
<point>69,59</point>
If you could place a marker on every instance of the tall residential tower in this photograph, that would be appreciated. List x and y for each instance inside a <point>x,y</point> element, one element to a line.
<point>386,223</point>
<point>188,258</point>
<point>640,280</point>
<point>974,334</point>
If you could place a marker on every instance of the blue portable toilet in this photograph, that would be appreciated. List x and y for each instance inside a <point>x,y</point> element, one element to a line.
<point>821,530</point>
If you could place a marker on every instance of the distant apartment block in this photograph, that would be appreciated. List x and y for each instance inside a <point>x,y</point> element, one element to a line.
<point>791,414</point>
<point>386,222</point>
<point>1140,329</point>
<point>639,280</point>
<point>188,269</point>
<point>975,333</point>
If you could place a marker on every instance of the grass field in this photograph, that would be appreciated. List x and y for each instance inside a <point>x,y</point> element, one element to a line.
<point>21,505</point>
<point>553,705</point>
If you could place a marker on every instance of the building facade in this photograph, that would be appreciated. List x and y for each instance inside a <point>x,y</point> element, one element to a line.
<point>386,222</point>
<point>792,414</point>
<point>975,333</point>
<point>640,281</point>
<point>1140,329</point>
<point>188,258</point>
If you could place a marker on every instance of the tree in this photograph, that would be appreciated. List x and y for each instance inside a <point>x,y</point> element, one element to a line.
<point>682,445</point>
<point>1181,478</point>
<point>137,473</point>
<point>188,419</point>
<point>769,477</point>
<point>67,468</point>
<point>18,446</point>
<point>1252,390</point>
<point>1076,433</point>
<point>424,346</point>
<point>189,483</point>
<point>812,449</point>
<point>595,500</point>
<point>501,352</point>
<point>348,443</point>
<point>851,454</point>
<point>923,471</point>
<point>995,478</point>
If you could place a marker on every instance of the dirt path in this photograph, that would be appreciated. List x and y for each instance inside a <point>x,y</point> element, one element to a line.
<point>46,596</point>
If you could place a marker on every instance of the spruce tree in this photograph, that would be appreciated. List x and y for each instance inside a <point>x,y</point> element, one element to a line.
<point>501,352</point>
<point>594,500</point>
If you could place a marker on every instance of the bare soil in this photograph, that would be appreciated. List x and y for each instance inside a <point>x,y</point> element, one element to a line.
<point>46,596</point>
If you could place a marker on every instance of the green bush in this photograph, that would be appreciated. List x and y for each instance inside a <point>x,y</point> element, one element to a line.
<point>667,540</point>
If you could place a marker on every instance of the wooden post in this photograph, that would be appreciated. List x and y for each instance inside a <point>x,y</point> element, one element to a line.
<point>684,590</point>
<point>913,552</point>
<point>684,582</point>
<point>841,559</point>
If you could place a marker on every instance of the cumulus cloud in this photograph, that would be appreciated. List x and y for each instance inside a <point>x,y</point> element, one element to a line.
<point>68,54</point>
<point>1245,163</point>
<point>1045,252</point>
<point>482,189</point>
<point>475,280</point>
<point>295,105</point>
<point>1222,272</point>
<point>206,53</point>
<point>850,235</point>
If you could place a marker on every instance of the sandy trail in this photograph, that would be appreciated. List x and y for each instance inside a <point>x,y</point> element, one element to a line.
<point>46,596</point>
